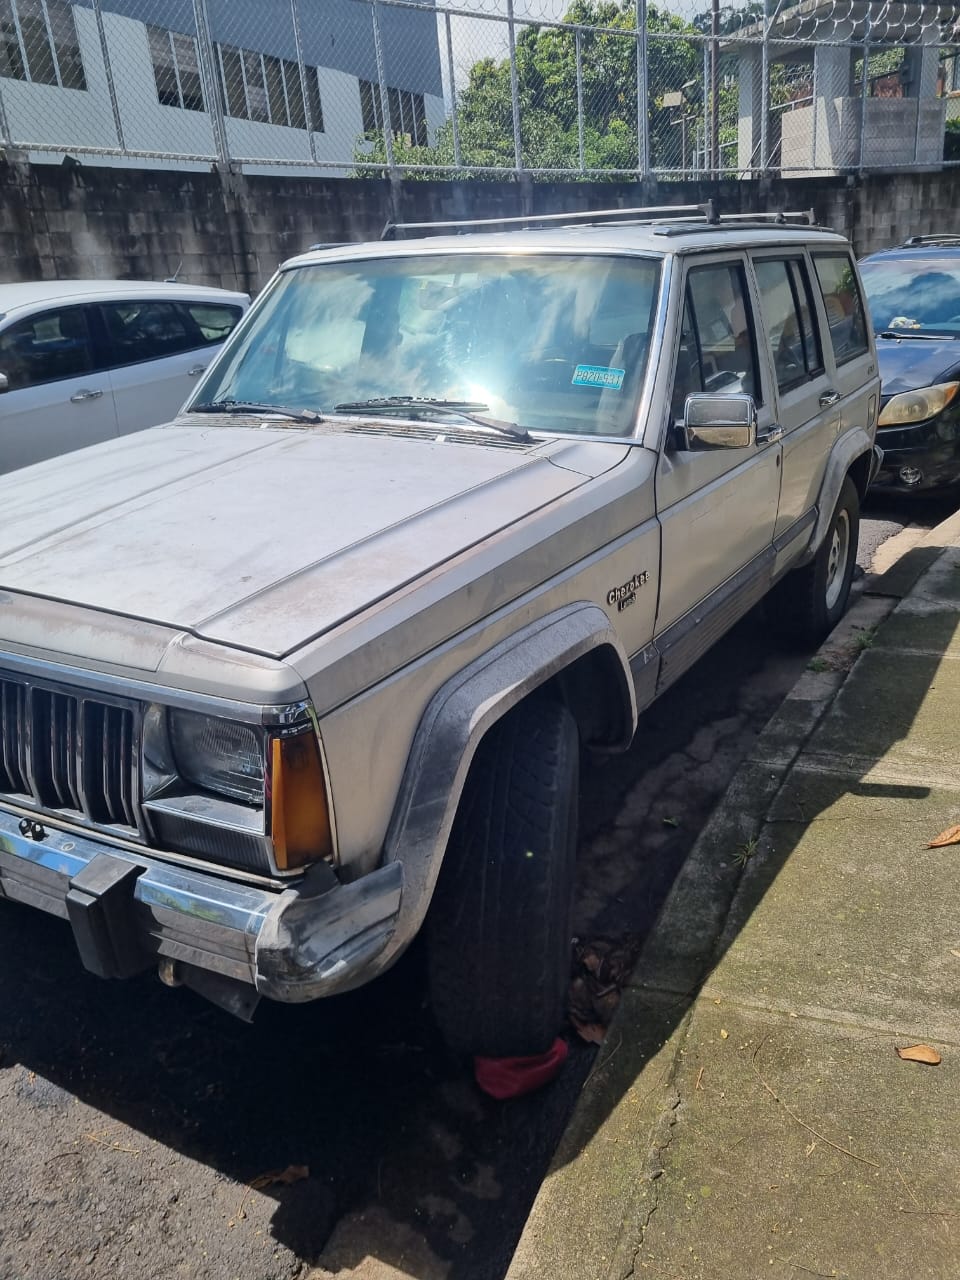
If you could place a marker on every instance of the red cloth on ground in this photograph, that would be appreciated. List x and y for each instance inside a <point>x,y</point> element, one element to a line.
<point>512,1077</point>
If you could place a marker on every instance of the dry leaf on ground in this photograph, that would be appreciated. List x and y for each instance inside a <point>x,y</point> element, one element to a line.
<point>950,836</point>
<point>282,1177</point>
<point>919,1053</point>
<point>592,1032</point>
<point>601,969</point>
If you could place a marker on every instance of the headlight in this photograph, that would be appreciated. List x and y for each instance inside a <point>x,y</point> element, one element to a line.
<point>247,795</point>
<point>915,406</point>
<point>218,755</point>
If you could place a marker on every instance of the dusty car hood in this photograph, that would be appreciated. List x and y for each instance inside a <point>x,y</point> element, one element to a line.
<point>206,528</point>
<point>907,364</point>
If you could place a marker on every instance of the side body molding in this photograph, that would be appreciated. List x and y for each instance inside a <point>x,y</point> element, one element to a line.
<point>457,717</point>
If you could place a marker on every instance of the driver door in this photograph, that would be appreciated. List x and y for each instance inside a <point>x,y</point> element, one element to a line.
<point>717,507</point>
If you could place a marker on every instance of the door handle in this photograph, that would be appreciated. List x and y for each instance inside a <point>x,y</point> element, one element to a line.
<point>79,396</point>
<point>828,398</point>
<point>771,435</point>
<point>197,369</point>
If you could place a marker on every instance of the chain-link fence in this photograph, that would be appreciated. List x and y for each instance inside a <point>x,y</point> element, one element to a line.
<point>561,88</point>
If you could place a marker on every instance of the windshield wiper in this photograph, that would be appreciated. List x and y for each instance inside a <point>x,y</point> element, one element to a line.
<point>254,407</point>
<point>415,407</point>
<point>913,333</point>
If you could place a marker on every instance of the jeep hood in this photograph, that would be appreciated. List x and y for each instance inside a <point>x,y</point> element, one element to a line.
<point>207,528</point>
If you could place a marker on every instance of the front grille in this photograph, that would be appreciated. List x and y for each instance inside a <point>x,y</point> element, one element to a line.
<point>66,751</point>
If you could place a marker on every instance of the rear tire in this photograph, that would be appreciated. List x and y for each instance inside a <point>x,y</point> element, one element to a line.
<point>498,931</point>
<point>809,602</point>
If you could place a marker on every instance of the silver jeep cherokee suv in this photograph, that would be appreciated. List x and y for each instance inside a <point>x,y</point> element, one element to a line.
<point>310,668</point>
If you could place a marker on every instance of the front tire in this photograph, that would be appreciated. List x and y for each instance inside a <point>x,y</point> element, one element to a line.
<point>809,602</point>
<point>498,931</point>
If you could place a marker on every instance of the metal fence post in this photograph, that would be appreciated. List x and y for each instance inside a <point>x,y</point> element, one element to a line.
<point>514,87</point>
<point>111,87</point>
<point>457,160</point>
<point>643,90</point>
<point>298,42</point>
<point>579,56</point>
<point>864,94</point>
<point>4,125</point>
<point>208,81</point>
<point>765,97</point>
<point>382,83</point>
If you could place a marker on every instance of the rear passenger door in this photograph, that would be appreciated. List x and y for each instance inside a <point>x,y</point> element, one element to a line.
<point>56,400</point>
<point>718,507</point>
<point>808,406</point>
<point>155,351</point>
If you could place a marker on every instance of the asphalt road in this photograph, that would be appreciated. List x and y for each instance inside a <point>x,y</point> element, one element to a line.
<point>139,1126</point>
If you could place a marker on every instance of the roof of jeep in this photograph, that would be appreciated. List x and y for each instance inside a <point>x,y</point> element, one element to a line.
<point>666,237</point>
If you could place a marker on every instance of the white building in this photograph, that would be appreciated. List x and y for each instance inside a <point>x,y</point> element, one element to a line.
<point>292,83</point>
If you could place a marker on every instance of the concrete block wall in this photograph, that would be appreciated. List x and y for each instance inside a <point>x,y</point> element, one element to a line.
<point>233,230</point>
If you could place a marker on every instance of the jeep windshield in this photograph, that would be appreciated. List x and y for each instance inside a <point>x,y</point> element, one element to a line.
<point>549,343</point>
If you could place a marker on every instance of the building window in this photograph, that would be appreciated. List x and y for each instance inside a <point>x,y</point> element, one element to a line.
<point>408,118</point>
<point>258,86</point>
<point>176,69</point>
<point>38,42</point>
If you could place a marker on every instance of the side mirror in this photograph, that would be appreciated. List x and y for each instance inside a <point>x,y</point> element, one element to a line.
<point>719,421</point>
<point>4,382</point>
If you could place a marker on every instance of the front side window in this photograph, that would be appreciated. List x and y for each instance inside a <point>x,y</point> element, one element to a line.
<point>46,348</point>
<point>717,349</point>
<point>38,42</point>
<point>557,344</point>
<point>138,331</point>
<point>841,301</point>
<point>785,302</point>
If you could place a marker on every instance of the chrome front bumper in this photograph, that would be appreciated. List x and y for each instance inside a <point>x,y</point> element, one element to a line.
<point>129,911</point>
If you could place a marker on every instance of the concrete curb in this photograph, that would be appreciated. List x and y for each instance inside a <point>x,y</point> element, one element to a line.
<point>610,1122</point>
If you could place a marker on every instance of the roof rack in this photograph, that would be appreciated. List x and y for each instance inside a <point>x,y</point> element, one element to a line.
<point>945,238</point>
<point>706,213</point>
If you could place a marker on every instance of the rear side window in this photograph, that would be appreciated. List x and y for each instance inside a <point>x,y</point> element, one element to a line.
<point>46,348</point>
<point>138,331</point>
<point>843,305</point>
<point>785,302</point>
<point>718,349</point>
<point>214,320</point>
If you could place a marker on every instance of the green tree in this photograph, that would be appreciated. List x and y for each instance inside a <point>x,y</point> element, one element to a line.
<point>547,96</point>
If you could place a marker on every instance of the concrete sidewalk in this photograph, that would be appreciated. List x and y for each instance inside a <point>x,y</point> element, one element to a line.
<point>749,1116</point>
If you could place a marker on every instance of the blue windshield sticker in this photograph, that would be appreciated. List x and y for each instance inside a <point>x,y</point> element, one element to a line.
<point>598,375</point>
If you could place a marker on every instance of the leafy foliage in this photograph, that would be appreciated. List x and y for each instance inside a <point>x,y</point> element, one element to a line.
<point>547,95</point>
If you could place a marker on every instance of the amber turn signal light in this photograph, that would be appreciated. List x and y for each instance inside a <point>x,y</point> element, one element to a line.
<point>300,816</point>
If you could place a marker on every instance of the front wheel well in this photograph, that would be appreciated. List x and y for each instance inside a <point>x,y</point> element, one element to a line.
<point>594,689</point>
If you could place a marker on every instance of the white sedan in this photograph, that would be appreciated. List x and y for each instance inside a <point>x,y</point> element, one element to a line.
<point>87,360</point>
